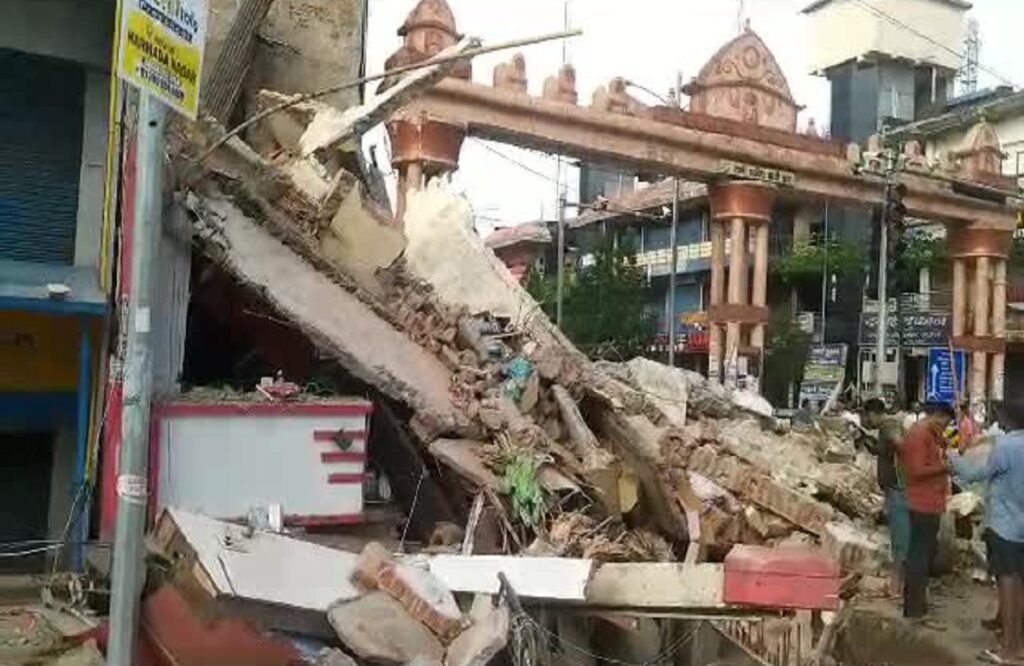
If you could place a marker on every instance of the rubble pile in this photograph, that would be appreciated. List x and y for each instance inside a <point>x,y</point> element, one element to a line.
<point>617,462</point>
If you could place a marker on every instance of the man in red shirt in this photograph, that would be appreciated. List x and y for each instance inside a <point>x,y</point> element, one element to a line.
<point>926,475</point>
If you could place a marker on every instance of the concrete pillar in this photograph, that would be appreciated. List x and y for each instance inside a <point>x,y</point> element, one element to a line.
<point>959,296</point>
<point>995,388</point>
<point>738,204</point>
<point>979,362</point>
<point>717,297</point>
<point>759,297</point>
<point>737,296</point>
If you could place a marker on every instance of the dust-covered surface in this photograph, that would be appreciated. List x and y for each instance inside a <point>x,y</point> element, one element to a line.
<point>876,633</point>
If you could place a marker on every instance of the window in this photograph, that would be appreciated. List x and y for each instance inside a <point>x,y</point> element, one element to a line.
<point>1020,163</point>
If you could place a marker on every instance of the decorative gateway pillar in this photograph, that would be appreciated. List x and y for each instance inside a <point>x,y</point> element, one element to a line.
<point>745,208</point>
<point>423,148</point>
<point>979,274</point>
<point>979,281</point>
<point>741,83</point>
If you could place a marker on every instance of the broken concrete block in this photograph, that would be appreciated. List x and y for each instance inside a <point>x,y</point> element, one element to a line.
<point>487,636</point>
<point>376,628</point>
<point>854,549</point>
<point>424,596</point>
<point>371,560</point>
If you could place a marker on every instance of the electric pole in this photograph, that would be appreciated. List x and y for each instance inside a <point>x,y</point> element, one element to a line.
<point>128,565</point>
<point>673,242</point>
<point>893,209</point>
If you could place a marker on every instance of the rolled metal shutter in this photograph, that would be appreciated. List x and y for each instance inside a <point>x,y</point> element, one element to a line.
<point>41,117</point>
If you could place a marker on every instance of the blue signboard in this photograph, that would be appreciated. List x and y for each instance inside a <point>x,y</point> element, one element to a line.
<point>940,375</point>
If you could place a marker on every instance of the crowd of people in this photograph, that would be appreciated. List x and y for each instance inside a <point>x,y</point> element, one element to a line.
<point>920,460</point>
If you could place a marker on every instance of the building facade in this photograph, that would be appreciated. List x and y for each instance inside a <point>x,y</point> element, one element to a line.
<point>54,257</point>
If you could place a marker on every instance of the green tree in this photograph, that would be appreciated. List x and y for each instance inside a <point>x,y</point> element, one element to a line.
<point>605,303</point>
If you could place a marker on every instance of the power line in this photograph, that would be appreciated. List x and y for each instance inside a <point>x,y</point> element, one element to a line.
<point>881,13</point>
<point>512,160</point>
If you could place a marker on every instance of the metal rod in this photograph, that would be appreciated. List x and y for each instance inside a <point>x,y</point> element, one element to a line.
<point>127,574</point>
<point>355,83</point>
<point>560,279</point>
<point>674,242</point>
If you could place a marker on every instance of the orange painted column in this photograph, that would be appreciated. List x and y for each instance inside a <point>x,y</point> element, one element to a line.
<point>759,297</point>
<point>998,364</point>
<point>737,296</point>
<point>959,297</point>
<point>980,292</point>
<point>984,291</point>
<point>740,204</point>
<point>717,298</point>
<point>420,149</point>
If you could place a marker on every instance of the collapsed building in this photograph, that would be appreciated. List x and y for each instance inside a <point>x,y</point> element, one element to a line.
<point>448,415</point>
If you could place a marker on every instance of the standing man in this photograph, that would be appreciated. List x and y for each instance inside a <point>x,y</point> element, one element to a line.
<point>890,480</point>
<point>1003,472</point>
<point>926,471</point>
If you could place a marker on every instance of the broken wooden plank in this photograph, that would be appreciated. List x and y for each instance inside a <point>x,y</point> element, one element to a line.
<point>548,578</point>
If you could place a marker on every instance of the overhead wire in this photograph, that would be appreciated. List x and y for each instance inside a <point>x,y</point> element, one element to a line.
<point>657,659</point>
<point>881,13</point>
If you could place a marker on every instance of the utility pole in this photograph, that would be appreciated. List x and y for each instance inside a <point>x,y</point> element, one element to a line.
<point>883,266</point>
<point>560,276</point>
<point>673,242</point>
<point>128,573</point>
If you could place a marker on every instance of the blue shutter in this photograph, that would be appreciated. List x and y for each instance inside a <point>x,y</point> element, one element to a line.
<point>41,112</point>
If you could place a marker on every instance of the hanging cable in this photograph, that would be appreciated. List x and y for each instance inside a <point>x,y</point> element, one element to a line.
<point>886,16</point>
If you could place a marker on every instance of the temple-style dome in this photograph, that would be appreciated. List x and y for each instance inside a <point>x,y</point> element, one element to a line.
<point>743,82</point>
<point>981,151</point>
<point>430,14</point>
<point>428,30</point>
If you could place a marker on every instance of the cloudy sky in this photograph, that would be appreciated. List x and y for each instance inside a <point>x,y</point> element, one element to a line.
<point>646,41</point>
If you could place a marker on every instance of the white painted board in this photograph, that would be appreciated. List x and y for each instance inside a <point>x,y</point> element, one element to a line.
<point>268,567</point>
<point>556,578</point>
<point>224,465</point>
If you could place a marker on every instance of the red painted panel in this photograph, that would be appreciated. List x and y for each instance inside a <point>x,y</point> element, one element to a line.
<point>342,456</point>
<point>801,578</point>
<point>264,409</point>
<point>343,479</point>
<point>331,435</point>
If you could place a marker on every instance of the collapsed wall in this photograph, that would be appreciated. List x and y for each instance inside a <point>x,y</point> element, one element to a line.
<point>636,453</point>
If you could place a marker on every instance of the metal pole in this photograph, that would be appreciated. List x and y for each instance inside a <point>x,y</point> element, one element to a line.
<point>560,280</point>
<point>127,575</point>
<point>883,265</point>
<point>825,277</point>
<point>674,244</point>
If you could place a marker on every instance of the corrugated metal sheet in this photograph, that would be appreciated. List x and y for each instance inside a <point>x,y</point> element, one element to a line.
<point>41,115</point>
<point>170,312</point>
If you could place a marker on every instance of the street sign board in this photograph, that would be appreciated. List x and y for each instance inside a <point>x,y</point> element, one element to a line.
<point>824,371</point>
<point>162,50</point>
<point>754,172</point>
<point>941,386</point>
<point>919,330</point>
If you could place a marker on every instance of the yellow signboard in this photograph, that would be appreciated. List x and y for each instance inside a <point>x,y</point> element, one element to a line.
<point>162,50</point>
